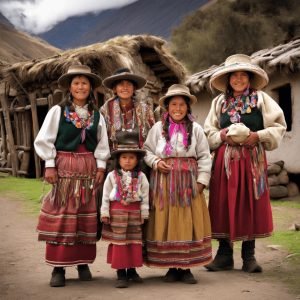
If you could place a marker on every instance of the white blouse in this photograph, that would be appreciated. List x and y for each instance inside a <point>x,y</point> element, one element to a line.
<point>199,149</point>
<point>45,140</point>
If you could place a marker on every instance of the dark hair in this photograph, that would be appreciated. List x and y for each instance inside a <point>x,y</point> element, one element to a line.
<point>68,98</point>
<point>188,122</point>
<point>136,169</point>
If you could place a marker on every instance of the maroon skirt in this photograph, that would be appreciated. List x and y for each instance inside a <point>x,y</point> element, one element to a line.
<point>236,212</point>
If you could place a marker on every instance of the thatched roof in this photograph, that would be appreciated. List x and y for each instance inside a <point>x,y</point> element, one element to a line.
<point>282,58</point>
<point>103,58</point>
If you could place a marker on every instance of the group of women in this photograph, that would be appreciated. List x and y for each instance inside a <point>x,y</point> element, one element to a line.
<point>227,155</point>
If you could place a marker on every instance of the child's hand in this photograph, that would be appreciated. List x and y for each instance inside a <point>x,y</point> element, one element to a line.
<point>200,187</point>
<point>105,220</point>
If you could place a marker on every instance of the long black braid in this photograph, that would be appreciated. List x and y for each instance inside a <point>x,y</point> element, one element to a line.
<point>187,120</point>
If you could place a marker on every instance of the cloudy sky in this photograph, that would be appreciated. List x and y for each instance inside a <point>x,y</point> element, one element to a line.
<point>37,16</point>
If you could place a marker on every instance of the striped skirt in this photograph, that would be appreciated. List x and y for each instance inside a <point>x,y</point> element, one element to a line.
<point>68,216</point>
<point>125,236</point>
<point>178,233</point>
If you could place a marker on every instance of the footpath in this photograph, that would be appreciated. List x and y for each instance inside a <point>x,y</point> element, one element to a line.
<point>24,275</point>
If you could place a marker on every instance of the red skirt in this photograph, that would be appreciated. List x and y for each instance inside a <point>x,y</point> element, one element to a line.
<point>64,255</point>
<point>235,212</point>
<point>125,234</point>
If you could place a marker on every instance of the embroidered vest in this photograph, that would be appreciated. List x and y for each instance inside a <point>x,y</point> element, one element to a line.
<point>69,137</point>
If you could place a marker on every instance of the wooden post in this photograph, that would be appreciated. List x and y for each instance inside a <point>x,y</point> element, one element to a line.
<point>10,136</point>
<point>36,128</point>
<point>3,135</point>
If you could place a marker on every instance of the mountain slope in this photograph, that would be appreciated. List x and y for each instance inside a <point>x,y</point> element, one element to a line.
<point>18,46</point>
<point>151,17</point>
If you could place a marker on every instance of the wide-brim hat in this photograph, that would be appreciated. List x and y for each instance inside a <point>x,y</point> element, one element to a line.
<point>124,74</point>
<point>238,132</point>
<point>178,90</point>
<point>65,80</point>
<point>126,149</point>
<point>234,63</point>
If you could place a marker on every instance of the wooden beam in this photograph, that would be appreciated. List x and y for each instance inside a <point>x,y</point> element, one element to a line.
<point>10,136</point>
<point>36,128</point>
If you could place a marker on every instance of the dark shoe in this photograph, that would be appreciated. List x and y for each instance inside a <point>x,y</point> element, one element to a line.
<point>221,263</point>
<point>251,266</point>
<point>172,275</point>
<point>58,277</point>
<point>133,275</point>
<point>122,279</point>
<point>84,273</point>
<point>187,277</point>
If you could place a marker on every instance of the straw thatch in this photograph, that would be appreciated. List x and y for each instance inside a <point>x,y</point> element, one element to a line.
<point>103,58</point>
<point>283,58</point>
<point>29,89</point>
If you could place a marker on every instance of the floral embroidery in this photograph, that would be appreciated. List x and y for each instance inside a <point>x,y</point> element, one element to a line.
<point>235,106</point>
<point>71,116</point>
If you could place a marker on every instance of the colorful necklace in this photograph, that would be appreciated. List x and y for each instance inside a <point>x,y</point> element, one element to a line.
<point>243,104</point>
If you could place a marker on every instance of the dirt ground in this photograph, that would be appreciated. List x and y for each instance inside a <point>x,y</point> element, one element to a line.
<point>24,275</point>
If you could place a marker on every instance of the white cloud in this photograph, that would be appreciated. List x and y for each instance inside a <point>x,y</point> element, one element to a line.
<point>37,16</point>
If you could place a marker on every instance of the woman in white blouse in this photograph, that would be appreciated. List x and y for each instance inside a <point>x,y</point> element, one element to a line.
<point>178,233</point>
<point>74,145</point>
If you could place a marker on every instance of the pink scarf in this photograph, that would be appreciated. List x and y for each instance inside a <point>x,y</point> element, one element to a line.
<point>175,128</point>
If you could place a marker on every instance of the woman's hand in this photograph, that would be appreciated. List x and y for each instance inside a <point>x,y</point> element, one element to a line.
<point>51,175</point>
<point>251,140</point>
<point>163,167</point>
<point>105,220</point>
<point>99,176</point>
<point>227,139</point>
<point>200,187</point>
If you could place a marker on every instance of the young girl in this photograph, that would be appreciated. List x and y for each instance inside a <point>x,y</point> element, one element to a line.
<point>178,235</point>
<point>125,206</point>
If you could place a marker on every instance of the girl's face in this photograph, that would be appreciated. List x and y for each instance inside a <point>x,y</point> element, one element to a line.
<point>80,88</point>
<point>239,81</point>
<point>128,161</point>
<point>124,89</point>
<point>177,108</point>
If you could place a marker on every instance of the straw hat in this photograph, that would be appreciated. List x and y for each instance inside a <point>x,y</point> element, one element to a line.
<point>65,80</point>
<point>238,132</point>
<point>238,62</point>
<point>178,90</point>
<point>128,148</point>
<point>124,74</point>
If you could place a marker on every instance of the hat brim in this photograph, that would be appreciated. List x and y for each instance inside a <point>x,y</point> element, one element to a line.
<point>64,81</point>
<point>161,101</point>
<point>139,81</point>
<point>128,150</point>
<point>219,80</point>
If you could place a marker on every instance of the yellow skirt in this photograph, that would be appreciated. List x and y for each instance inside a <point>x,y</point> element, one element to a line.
<point>178,236</point>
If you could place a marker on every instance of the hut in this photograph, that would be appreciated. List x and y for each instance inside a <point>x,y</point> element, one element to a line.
<point>282,64</point>
<point>29,89</point>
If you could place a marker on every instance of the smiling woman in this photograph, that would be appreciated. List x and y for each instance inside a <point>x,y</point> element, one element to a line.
<point>73,143</point>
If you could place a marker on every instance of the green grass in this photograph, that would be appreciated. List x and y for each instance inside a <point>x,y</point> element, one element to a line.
<point>27,190</point>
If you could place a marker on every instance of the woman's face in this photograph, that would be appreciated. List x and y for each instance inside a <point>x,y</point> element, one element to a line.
<point>124,89</point>
<point>128,161</point>
<point>239,81</point>
<point>80,88</point>
<point>177,108</point>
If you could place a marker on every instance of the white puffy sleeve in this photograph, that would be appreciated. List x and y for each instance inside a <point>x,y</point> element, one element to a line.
<point>102,152</point>
<point>44,141</point>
